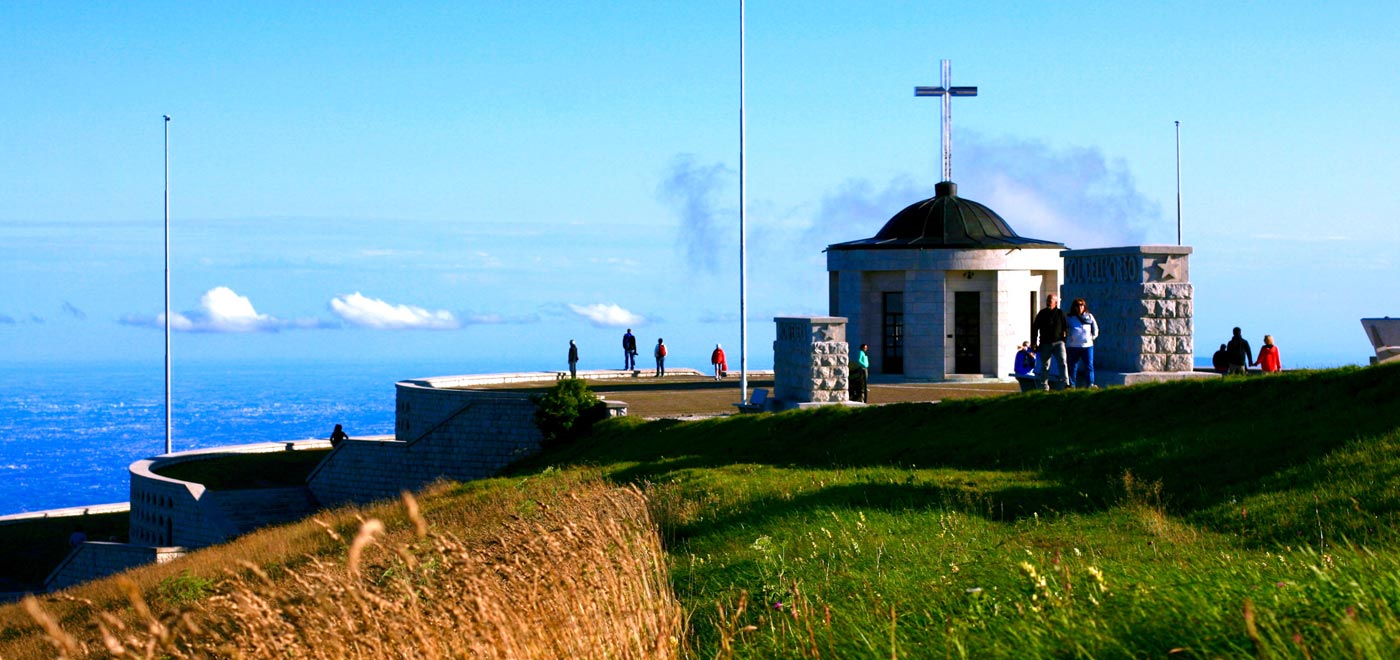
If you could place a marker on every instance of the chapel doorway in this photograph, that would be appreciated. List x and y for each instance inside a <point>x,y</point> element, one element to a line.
<point>892,334</point>
<point>967,332</point>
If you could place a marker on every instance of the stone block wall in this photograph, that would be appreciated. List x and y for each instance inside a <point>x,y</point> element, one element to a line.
<point>1142,298</point>
<point>440,432</point>
<point>811,360</point>
<point>170,512</point>
<point>93,560</point>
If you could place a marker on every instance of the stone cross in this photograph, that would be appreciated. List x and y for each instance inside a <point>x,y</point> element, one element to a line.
<point>947,91</point>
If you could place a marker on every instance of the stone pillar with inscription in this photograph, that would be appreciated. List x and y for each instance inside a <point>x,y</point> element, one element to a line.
<point>1141,297</point>
<point>811,361</point>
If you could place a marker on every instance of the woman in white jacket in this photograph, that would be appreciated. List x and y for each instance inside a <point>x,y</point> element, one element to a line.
<point>1079,346</point>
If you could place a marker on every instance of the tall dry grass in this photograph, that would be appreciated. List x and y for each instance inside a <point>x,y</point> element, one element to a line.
<point>579,573</point>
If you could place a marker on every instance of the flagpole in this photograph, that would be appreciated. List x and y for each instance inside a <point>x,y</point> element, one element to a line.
<point>167,285</point>
<point>1178,183</point>
<point>743,229</point>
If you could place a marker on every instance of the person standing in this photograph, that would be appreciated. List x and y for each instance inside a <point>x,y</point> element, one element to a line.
<point>629,351</point>
<point>660,353</point>
<point>1268,356</point>
<point>860,376</point>
<point>1083,330</point>
<point>717,359</point>
<point>1048,334</point>
<point>573,359</point>
<point>1239,355</point>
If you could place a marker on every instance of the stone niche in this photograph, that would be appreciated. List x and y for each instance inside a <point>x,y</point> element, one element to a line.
<point>811,360</point>
<point>1141,297</point>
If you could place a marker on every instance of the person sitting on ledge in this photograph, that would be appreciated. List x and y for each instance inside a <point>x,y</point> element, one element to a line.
<point>338,435</point>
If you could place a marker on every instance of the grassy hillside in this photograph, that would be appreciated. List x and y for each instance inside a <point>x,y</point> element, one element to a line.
<point>1125,522</point>
<point>1241,518</point>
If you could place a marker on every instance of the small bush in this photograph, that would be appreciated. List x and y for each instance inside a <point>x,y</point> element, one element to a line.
<point>566,411</point>
<point>183,589</point>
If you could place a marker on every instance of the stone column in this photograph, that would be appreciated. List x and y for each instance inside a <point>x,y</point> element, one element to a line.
<point>811,361</point>
<point>1142,298</point>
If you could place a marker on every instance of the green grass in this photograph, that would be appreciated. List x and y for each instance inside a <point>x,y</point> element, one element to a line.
<point>240,471</point>
<point>1237,518</point>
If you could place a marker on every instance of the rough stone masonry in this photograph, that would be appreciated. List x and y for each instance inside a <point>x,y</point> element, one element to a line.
<point>1142,298</point>
<point>811,360</point>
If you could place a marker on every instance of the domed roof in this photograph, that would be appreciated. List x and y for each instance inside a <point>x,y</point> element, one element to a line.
<point>946,221</point>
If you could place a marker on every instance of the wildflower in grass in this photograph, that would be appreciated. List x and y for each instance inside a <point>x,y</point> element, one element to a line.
<point>1096,576</point>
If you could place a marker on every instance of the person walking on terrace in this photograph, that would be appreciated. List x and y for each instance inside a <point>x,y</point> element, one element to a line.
<point>1048,334</point>
<point>660,353</point>
<point>1239,355</point>
<point>717,359</point>
<point>1079,346</point>
<point>860,375</point>
<point>629,351</point>
<point>1268,356</point>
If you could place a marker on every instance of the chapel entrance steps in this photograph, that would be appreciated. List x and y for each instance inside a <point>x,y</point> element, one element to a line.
<point>248,510</point>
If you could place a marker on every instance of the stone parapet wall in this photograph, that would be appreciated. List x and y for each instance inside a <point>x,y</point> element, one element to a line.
<point>440,432</point>
<point>811,360</point>
<point>1143,302</point>
<point>93,560</point>
<point>170,512</point>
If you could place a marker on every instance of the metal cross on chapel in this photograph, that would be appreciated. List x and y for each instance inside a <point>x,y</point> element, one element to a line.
<point>947,91</point>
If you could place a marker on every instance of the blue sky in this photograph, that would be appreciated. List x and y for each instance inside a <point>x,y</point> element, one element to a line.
<point>478,182</point>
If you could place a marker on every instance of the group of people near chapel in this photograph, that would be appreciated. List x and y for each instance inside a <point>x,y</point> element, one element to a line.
<point>629,357</point>
<point>1062,348</point>
<point>1064,342</point>
<point>1234,355</point>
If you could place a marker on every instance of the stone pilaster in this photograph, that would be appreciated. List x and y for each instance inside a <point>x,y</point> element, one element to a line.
<point>1142,298</point>
<point>811,360</point>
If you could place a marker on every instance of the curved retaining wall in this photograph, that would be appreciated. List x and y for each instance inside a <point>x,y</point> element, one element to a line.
<point>442,429</point>
<point>170,512</point>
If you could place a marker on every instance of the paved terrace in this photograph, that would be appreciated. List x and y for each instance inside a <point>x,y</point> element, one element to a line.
<point>690,393</point>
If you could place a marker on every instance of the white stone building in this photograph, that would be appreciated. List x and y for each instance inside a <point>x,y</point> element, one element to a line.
<point>945,289</point>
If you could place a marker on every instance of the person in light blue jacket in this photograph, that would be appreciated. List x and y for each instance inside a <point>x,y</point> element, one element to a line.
<point>1079,346</point>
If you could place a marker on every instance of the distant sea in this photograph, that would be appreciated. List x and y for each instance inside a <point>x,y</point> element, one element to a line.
<point>68,432</point>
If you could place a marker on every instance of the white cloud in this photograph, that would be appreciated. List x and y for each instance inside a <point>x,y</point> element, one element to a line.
<point>607,316</point>
<point>221,310</point>
<point>367,312</point>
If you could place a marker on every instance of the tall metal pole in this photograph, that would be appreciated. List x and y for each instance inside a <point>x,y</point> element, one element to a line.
<point>1178,183</point>
<point>743,228</point>
<point>167,284</point>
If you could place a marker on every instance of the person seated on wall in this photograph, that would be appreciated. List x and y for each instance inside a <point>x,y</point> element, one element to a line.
<point>338,435</point>
<point>1220,362</point>
<point>1025,360</point>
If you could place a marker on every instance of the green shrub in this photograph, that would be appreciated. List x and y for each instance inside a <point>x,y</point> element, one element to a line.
<point>183,589</point>
<point>566,411</point>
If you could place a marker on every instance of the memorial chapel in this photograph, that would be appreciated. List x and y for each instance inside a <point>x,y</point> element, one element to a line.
<point>945,289</point>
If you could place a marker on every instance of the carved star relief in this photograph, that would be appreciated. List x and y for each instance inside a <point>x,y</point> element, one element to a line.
<point>1170,269</point>
<point>823,333</point>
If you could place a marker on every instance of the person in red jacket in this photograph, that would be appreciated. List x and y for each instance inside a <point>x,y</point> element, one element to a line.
<point>717,359</point>
<point>1268,356</point>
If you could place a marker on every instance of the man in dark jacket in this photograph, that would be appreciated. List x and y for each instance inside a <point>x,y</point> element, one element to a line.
<point>1239,354</point>
<point>629,351</point>
<point>1048,334</point>
<point>573,359</point>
